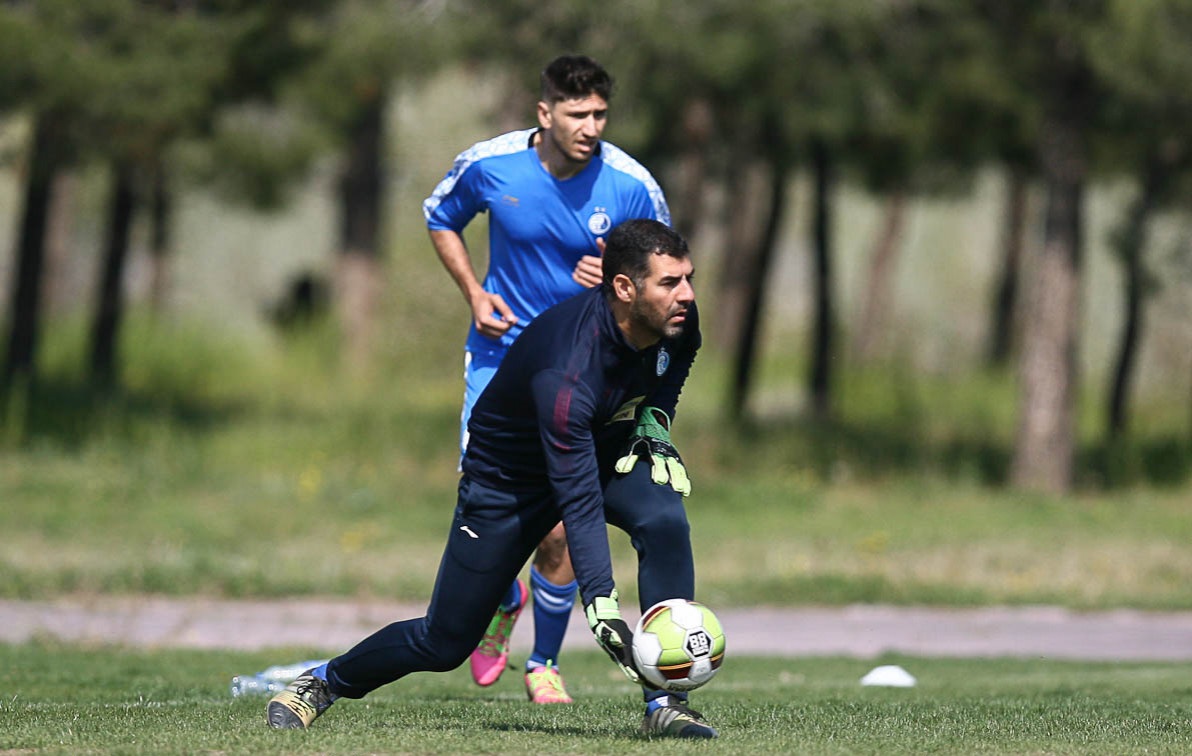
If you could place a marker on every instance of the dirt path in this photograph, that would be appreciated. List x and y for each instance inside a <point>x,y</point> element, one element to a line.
<point>859,631</point>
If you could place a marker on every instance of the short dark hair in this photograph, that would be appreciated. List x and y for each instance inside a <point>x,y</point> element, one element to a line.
<point>571,77</point>
<point>629,246</point>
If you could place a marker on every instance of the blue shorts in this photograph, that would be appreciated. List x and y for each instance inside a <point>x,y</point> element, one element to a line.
<point>479,369</point>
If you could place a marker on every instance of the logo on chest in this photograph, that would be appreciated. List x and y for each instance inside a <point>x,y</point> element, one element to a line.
<point>663,362</point>
<point>599,222</point>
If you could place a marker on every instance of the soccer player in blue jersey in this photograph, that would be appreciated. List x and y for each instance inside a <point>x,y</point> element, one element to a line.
<point>552,193</point>
<point>585,392</point>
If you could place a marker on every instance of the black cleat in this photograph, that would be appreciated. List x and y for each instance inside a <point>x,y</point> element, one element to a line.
<point>677,721</point>
<point>299,704</point>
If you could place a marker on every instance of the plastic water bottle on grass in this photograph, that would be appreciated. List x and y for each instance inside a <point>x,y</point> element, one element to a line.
<point>271,680</point>
<point>254,685</point>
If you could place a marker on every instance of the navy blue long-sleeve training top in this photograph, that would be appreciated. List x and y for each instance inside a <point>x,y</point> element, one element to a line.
<point>559,411</point>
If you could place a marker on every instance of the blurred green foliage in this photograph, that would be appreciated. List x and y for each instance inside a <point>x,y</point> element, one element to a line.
<point>257,100</point>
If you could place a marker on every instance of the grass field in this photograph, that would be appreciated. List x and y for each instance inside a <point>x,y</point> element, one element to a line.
<point>239,462</point>
<point>99,700</point>
<point>229,474</point>
<point>224,472</point>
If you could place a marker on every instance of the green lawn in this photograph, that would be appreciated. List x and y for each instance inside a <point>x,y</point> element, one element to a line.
<point>228,473</point>
<point>61,698</point>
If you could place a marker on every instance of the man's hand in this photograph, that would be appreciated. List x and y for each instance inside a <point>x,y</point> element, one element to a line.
<point>589,271</point>
<point>651,438</point>
<point>612,634</point>
<point>491,314</point>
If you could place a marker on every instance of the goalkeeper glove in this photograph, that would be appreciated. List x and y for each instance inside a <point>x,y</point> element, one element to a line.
<point>651,437</point>
<point>612,634</point>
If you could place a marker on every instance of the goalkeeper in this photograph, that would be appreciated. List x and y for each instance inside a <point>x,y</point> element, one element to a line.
<point>575,427</point>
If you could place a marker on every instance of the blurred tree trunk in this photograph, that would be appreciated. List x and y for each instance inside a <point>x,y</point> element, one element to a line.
<point>1045,447</point>
<point>1131,243</point>
<point>875,305</point>
<point>516,106</point>
<point>687,207</point>
<point>745,188</point>
<point>161,214</point>
<point>1003,324</point>
<point>756,275</point>
<point>44,159</point>
<point>57,274</point>
<point>820,379</point>
<point>109,304</point>
<point>359,275</point>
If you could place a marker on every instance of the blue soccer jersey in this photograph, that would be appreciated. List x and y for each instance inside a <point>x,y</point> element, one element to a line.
<point>539,226</point>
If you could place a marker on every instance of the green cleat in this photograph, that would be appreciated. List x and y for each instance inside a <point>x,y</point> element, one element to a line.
<point>299,704</point>
<point>544,685</point>
<point>677,721</point>
<point>489,659</point>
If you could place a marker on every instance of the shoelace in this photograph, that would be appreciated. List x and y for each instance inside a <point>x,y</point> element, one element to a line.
<point>493,643</point>
<point>306,686</point>
<point>682,709</point>
<point>547,686</point>
<point>545,678</point>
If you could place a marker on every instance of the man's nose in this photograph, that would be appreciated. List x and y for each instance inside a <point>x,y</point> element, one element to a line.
<point>685,292</point>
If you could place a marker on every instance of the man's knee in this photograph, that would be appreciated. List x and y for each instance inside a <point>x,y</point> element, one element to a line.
<point>446,654</point>
<point>661,525</point>
<point>634,502</point>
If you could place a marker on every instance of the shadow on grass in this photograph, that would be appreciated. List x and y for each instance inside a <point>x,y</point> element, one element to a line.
<point>68,415</point>
<point>835,450</point>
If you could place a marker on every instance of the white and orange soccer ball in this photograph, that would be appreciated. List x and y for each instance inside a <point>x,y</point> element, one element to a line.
<point>678,645</point>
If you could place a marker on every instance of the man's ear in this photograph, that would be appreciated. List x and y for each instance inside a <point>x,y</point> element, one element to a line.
<point>623,287</point>
<point>544,119</point>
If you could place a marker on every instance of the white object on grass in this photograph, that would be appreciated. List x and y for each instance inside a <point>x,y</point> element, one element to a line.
<point>889,676</point>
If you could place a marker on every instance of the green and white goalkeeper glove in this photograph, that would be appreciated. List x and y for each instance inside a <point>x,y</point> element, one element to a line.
<point>612,634</point>
<point>651,438</point>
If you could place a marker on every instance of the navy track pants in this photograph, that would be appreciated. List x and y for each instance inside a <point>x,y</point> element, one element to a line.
<point>471,581</point>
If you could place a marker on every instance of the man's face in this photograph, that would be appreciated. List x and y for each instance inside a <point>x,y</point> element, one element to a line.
<point>660,306</point>
<point>574,126</point>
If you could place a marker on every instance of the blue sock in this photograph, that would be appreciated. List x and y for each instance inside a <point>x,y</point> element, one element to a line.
<point>320,672</point>
<point>552,609</point>
<point>512,598</point>
<point>656,699</point>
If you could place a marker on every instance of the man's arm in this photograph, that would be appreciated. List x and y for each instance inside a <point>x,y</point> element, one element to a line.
<point>565,410</point>
<point>490,313</point>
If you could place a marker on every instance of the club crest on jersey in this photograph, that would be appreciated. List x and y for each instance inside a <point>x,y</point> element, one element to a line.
<point>663,362</point>
<point>599,222</point>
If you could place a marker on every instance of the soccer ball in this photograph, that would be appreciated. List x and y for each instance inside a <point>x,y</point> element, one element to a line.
<point>678,645</point>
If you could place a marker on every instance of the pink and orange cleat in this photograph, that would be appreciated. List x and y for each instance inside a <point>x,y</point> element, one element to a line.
<point>490,657</point>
